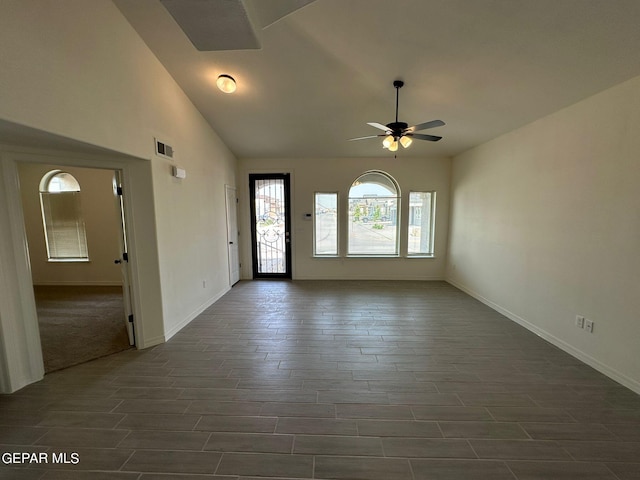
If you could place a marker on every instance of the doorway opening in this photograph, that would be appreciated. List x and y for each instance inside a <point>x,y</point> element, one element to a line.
<point>82,293</point>
<point>270,225</point>
<point>79,323</point>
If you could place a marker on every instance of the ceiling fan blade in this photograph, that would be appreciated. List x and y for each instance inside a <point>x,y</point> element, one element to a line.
<point>380,126</point>
<point>425,125</point>
<point>364,138</point>
<point>422,136</point>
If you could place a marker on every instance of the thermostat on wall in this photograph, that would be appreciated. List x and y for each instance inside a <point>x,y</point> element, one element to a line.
<point>178,172</point>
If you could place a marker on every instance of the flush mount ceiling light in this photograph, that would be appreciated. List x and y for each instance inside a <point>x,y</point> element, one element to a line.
<point>226,83</point>
<point>400,132</point>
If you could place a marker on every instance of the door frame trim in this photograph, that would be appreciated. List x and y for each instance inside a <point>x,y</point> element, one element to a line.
<point>120,196</point>
<point>228,188</point>
<point>286,176</point>
<point>18,318</point>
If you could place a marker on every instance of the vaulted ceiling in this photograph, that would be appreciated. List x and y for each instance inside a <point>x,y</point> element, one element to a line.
<point>325,68</point>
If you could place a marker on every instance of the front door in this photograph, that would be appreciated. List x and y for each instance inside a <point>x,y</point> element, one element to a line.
<point>270,225</point>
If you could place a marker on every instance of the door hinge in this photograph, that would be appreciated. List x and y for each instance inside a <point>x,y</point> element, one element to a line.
<point>119,190</point>
<point>131,318</point>
<point>125,256</point>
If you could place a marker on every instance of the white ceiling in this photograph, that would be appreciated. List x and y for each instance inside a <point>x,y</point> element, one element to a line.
<point>485,67</point>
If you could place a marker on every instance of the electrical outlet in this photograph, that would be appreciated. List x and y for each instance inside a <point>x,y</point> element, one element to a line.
<point>579,321</point>
<point>588,325</point>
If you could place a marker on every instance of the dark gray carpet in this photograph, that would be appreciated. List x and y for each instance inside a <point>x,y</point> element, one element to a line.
<point>78,324</point>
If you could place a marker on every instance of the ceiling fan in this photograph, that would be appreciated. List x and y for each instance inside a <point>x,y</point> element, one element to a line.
<point>400,132</point>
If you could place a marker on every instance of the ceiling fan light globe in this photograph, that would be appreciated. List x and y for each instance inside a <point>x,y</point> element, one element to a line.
<point>386,143</point>
<point>226,83</point>
<point>406,141</point>
<point>393,147</point>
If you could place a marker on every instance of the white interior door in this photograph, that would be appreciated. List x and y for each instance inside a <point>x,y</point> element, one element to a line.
<point>232,234</point>
<point>123,260</point>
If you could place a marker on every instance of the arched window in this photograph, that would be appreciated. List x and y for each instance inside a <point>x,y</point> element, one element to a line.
<point>64,229</point>
<point>374,203</point>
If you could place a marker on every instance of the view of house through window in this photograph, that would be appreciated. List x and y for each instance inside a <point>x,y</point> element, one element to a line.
<point>64,228</point>
<point>421,215</point>
<point>374,201</point>
<point>325,224</point>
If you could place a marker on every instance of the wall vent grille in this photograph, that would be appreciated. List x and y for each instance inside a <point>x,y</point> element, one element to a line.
<point>163,150</point>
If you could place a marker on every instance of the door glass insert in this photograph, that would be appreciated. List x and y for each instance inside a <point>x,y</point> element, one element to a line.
<point>271,233</point>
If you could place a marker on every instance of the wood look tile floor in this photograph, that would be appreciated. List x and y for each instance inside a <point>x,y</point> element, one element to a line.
<point>331,380</point>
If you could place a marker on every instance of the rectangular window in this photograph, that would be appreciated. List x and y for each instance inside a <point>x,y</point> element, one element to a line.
<point>422,207</point>
<point>325,224</point>
<point>64,228</point>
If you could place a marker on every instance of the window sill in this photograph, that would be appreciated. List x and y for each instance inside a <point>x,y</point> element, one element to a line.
<point>69,260</point>
<point>369,255</point>
<point>374,256</point>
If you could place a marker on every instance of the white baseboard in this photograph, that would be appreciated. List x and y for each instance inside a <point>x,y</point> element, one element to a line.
<point>184,322</point>
<point>21,381</point>
<point>151,342</point>
<point>610,372</point>
<point>368,277</point>
<point>77,284</point>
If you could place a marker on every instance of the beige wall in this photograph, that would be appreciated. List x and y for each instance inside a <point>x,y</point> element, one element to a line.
<point>82,73</point>
<point>544,221</point>
<point>336,175</point>
<point>545,225</point>
<point>101,217</point>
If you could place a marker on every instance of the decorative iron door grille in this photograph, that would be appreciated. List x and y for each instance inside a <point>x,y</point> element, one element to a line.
<point>270,230</point>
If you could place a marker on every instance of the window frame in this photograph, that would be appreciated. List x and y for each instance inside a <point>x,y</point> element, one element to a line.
<point>315,222</point>
<point>49,219</point>
<point>398,216</point>
<point>432,225</point>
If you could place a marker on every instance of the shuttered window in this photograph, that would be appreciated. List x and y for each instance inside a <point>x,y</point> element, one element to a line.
<point>64,227</point>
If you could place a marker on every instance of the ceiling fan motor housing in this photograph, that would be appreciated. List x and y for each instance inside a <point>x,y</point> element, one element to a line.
<point>397,128</point>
